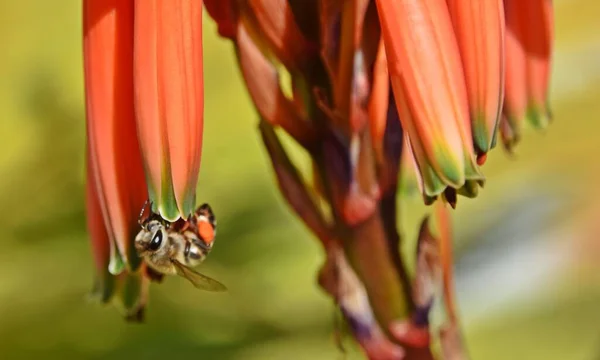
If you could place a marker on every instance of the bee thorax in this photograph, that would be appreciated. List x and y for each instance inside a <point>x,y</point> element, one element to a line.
<point>161,264</point>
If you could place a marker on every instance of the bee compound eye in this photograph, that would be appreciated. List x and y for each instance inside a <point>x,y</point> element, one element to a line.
<point>156,241</point>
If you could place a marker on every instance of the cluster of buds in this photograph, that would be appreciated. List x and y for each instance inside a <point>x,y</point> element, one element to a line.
<point>461,72</point>
<point>378,89</point>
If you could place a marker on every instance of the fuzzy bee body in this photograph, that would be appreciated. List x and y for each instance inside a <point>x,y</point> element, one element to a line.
<point>175,248</point>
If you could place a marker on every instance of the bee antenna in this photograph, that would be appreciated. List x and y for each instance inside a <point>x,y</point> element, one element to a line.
<point>146,203</point>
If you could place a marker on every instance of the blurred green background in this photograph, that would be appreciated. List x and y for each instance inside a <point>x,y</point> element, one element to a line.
<point>528,277</point>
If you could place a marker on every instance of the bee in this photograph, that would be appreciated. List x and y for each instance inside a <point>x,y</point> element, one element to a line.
<point>175,248</point>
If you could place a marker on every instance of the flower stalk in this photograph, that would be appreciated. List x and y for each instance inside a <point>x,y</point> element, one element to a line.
<point>398,90</point>
<point>356,229</point>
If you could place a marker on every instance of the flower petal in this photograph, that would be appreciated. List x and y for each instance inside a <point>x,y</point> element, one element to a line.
<point>102,246</point>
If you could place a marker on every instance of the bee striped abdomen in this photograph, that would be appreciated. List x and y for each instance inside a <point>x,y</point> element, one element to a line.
<point>196,253</point>
<point>186,251</point>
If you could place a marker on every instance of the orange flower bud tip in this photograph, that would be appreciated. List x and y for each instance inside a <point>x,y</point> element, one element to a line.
<point>470,189</point>
<point>116,264</point>
<point>537,117</point>
<point>481,134</point>
<point>481,158</point>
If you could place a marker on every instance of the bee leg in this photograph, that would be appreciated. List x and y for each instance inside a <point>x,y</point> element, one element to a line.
<point>154,275</point>
<point>146,203</point>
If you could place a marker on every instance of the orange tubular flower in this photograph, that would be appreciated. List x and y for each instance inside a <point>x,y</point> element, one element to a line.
<point>116,188</point>
<point>103,287</point>
<point>169,100</point>
<point>479,28</point>
<point>131,288</point>
<point>529,37</point>
<point>114,154</point>
<point>538,45</point>
<point>429,87</point>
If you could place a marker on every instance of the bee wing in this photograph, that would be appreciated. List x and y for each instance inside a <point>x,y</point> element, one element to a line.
<point>200,281</point>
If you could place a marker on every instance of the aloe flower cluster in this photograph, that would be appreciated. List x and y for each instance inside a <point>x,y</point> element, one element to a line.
<point>378,90</point>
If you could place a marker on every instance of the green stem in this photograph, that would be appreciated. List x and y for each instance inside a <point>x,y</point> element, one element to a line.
<point>389,217</point>
<point>367,250</point>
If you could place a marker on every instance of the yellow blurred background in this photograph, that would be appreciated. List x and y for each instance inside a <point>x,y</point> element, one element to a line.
<point>528,275</point>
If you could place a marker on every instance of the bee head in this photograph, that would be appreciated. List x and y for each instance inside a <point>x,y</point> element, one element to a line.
<point>152,238</point>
